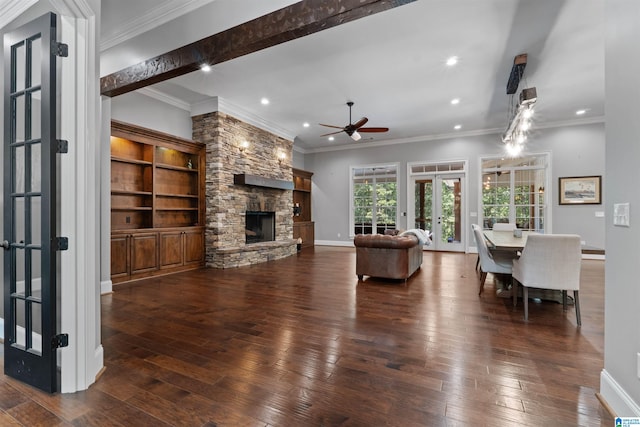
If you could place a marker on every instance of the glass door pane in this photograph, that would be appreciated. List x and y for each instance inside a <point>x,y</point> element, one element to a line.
<point>450,216</point>
<point>423,209</point>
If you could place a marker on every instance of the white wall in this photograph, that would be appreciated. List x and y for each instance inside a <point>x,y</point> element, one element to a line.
<point>575,151</point>
<point>141,110</point>
<point>619,383</point>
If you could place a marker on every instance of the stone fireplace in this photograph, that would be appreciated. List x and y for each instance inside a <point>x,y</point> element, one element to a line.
<point>265,162</point>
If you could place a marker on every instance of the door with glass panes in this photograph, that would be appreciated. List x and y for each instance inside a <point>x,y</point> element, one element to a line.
<point>436,205</point>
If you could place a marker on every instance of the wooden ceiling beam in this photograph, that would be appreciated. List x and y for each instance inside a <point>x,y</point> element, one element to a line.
<point>297,20</point>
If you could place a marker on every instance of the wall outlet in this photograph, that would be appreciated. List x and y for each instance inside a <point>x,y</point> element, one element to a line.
<point>599,214</point>
<point>339,235</point>
<point>583,242</point>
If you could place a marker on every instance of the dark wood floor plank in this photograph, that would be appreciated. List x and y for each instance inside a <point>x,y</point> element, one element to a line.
<point>299,342</point>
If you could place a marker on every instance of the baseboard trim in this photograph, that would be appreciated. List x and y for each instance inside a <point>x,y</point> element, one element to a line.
<point>616,397</point>
<point>106,287</point>
<point>334,243</point>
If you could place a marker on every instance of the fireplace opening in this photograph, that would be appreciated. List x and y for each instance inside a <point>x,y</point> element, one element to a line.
<point>260,227</point>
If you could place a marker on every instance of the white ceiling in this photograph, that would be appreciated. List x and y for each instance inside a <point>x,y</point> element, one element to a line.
<point>392,65</point>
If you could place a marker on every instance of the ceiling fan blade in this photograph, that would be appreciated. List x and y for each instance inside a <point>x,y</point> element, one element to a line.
<point>360,123</point>
<point>331,126</point>
<point>332,133</point>
<point>373,130</point>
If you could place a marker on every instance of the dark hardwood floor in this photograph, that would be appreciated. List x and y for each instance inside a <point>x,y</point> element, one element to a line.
<point>299,342</point>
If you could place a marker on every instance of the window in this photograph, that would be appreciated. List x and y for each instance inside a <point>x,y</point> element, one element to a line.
<point>513,190</point>
<point>374,196</point>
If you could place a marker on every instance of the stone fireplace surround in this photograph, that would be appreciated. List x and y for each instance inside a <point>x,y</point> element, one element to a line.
<point>226,202</point>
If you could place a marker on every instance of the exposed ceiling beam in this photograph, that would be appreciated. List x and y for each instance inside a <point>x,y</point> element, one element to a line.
<point>289,23</point>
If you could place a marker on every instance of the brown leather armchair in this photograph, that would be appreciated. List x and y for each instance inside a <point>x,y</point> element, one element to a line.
<point>391,257</point>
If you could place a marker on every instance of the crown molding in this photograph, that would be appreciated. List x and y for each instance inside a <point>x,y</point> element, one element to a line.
<point>165,12</point>
<point>11,9</point>
<point>163,97</point>
<point>222,105</point>
<point>426,138</point>
<point>423,138</point>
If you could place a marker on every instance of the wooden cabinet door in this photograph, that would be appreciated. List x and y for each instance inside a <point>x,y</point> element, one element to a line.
<point>305,231</point>
<point>120,256</point>
<point>193,246</point>
<point>144,253</point>
<point>171,249</point>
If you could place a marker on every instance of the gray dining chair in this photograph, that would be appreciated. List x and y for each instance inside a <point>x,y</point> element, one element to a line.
<point>549,261</point>
<point>495,263</point>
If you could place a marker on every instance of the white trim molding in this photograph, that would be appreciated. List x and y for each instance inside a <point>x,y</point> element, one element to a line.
<point>216,103</point>
<point>106,287</point>
<point>616,397</point>
<point>11,9</point>
<point>79,273</point>
<point>343,243</point>
<point>161,14</point>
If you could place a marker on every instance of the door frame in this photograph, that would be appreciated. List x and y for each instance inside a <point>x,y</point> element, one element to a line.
<point>439,171</point>
<point>80,124</point>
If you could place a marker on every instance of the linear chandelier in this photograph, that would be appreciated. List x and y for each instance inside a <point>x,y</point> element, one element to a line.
<point>520,123</point>
<point>520,114</point>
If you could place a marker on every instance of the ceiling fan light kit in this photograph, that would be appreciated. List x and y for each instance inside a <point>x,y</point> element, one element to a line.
<point>353,129</point>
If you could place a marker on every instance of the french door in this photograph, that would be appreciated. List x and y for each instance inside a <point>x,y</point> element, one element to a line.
<point>30,185</point>
<point>436,205</point>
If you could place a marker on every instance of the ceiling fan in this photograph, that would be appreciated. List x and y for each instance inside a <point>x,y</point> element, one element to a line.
<point>353,129</point>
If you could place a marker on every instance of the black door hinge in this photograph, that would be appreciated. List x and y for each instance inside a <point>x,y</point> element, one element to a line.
<point>59,49</point>
<point>61,244</point>
<point>63,146</point>
<point>60,340</point>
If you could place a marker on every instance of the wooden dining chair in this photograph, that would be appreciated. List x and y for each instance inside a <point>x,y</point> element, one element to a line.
<point>549,261</point>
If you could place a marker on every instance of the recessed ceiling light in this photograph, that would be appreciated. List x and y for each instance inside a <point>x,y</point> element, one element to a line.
<point>455,101</point>
<point>457,127</point>
<point>305,124</point>
<point>331,138</point>
<point>264,101</point>
<point>451,61</point>
<point>580,112</point>
<point>205,67</point>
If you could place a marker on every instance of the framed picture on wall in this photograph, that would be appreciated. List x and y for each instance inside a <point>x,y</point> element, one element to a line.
<point>580,190</point>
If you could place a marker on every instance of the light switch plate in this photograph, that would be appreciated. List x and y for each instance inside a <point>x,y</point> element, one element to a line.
<point>599,214</point>
<point>621,214</point>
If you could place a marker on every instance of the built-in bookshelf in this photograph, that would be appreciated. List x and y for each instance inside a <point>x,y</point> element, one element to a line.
<point>303,226</point>
<point>157,202</point>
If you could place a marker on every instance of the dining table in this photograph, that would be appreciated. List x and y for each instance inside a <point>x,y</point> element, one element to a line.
<point>508,241</point>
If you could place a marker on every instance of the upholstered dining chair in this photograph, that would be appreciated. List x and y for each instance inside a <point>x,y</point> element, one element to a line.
<point>504,226</point>
<point>549,261</point>
<point>496,263</point>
